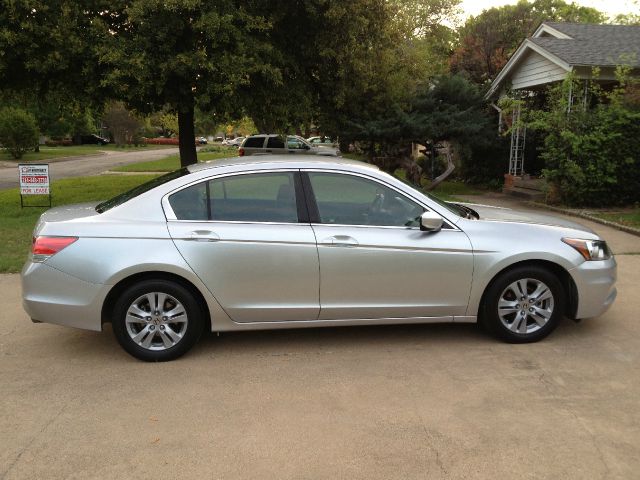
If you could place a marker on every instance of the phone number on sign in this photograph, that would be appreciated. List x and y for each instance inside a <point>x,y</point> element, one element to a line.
<point>34,179</point>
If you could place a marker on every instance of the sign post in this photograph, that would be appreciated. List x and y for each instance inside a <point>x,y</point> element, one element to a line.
<point>34,180</point>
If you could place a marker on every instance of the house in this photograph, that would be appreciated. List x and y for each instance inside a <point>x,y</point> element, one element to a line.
<point>547,57</point>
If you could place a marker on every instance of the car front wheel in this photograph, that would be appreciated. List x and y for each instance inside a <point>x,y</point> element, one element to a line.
<point>523,305</point>
<point>157,320</point>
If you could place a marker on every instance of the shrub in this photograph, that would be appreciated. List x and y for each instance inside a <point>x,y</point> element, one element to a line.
<point>18,131</point>
<point>592,156</point>
<point>161,141</point>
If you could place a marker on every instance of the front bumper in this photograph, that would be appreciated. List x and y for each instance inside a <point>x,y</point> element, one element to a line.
<point>52,296</point>
<point>595,282</point>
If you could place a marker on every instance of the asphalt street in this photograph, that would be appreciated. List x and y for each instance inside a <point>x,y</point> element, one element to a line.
<point>405,402</point>
<point>84,165</point>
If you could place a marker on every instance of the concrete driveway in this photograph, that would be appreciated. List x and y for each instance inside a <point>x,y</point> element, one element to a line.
<point>428,402</point>
<point>85,165</point>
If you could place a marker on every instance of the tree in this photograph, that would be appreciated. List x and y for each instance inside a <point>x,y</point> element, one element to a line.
<point>179,55</point>
<point>123,124</point>
<point>18,131</point>
<point>487,41</point>
<point>447,108</point>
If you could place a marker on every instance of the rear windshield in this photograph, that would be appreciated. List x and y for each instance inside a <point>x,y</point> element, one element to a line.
<point>140,189</point>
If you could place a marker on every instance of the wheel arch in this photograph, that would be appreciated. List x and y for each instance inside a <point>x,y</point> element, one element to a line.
<point>117,290</point>
<point>559,271</point>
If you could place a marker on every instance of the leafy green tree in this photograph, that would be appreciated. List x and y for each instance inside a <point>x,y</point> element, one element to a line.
<point>487,40</point>
<point>180,55</point>
<point>18,131</point>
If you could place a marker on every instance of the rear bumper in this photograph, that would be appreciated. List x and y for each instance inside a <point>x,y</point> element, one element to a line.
<point>595,282</point>
<point>52,296</point>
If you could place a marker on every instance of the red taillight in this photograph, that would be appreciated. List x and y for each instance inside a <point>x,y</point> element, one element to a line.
<point>50,245</point>
<point>241,152</point>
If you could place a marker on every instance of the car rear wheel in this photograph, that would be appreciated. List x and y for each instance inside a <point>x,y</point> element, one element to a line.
<point>523,305</point>
<point>157,320</point>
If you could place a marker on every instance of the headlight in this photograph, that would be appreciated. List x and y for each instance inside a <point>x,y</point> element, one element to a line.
<point>590,249</point>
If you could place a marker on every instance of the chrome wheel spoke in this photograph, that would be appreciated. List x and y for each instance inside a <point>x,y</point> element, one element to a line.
<point>134,319</point>
<point>135,310</point>
<point>540,315</point>
<point>172,333</point>
<point>146,343</point>
<point>507,306</point>
<point>165,339</point>
<point>140,335</point>
<point>546,295</point>
<point>175,313</point>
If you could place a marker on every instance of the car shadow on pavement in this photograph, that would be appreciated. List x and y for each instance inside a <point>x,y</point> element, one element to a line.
<point>348,338</point>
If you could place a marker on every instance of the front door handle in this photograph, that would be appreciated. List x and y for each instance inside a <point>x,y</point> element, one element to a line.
<point>340,241</point>
<point>203,236</point>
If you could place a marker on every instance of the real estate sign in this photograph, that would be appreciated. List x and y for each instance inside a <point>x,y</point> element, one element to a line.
<point>34,179</point>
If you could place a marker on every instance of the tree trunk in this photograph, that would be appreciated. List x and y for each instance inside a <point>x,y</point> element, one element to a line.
<point>186,139</point>
<point>450,168</point>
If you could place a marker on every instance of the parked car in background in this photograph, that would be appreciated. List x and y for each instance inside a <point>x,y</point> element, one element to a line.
<point>233,142</point>
<point>93,139</point>
<point>326,141</point>
<point>201,140</point>
<point>295,241</point>
<point>280,144</point>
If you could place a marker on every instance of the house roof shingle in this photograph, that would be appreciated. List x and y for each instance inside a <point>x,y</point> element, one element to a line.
<point>594,45</point>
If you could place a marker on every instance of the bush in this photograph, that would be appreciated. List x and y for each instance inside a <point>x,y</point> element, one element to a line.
<point>161,141</point>
<point>592,155</point>
<point>18,131</point>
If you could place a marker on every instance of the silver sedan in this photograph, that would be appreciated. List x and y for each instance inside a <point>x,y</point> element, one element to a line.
<point>289,242</point>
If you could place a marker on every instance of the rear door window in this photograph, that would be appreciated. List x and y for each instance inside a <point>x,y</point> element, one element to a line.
<point>258,197</point>
<point>275,142</point>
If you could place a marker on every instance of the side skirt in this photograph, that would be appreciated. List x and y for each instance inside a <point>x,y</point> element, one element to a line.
<point>228,326</point>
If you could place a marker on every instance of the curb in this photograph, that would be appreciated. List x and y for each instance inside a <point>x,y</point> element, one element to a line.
<point>585,215</point>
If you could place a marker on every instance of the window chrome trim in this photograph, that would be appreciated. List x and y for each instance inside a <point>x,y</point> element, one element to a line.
<point>171,216</point>
<point>451,225</point>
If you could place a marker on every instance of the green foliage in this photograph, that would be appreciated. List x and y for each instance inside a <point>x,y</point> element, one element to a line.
<point>18,131</point>
<point>591,154</point>
<point>487,40</point>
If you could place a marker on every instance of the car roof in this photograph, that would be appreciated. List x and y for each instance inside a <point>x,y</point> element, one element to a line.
<point>300,160</point>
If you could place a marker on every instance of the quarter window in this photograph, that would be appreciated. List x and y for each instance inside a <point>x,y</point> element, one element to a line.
<point>260,197</point>
<point>350,200</point>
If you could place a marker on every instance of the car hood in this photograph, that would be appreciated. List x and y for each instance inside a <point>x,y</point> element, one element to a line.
<point>502,214</point>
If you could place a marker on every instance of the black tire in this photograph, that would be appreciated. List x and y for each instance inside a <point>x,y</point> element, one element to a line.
<point>189,331</point>
<point>492,321</point>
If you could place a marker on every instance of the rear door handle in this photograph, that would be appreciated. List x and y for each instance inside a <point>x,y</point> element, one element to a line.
<point>203,236</point>
<point>340,241</point>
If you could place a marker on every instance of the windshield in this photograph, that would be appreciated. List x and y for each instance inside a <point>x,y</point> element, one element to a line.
<point>452,207</point>
<point>140,189</point>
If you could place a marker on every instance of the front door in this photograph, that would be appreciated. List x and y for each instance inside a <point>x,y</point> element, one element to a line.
<point>375,262</point>
<point>243,237</point>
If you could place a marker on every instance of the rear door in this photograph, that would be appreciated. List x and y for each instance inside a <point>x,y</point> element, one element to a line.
<point>248,238</point>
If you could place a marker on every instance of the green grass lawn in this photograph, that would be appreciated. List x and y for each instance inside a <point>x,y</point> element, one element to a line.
<point>172,162</point>
<point>629,217</point>
<point>16,224</point>
<point>48,153</point>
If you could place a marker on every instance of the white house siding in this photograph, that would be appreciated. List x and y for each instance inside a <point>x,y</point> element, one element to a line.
<point>534,69</point>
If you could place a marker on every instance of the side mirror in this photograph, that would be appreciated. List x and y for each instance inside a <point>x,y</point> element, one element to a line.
<point>430,222</point>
